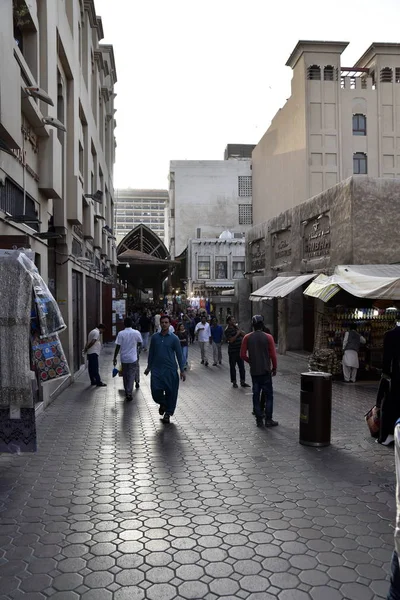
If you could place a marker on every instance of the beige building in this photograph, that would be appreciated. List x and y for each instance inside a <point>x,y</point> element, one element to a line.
<point>140,207</point>
<point>339,121</point>
<point>207,197</point>
<point>57,152</point>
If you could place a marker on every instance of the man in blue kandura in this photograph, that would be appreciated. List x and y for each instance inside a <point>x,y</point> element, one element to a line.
<point>165,351</point>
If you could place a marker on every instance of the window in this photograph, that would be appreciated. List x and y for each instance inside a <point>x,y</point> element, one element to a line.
<point>14,202</point>
<point>397,75</point>
<point>221,267</point>
<point>359,124</point>
<point>314,72</point>
<point>329,73</point>
<point>245,186</point>
<point>81,160</point>
<point>203,267</point>
<point>245,214</point>
<point>386,75</point>
<point>360,163</point>
<point>238,268</point>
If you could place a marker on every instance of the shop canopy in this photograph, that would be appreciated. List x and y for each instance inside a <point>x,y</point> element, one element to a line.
<point>280,287</point>
<point>364,281</point>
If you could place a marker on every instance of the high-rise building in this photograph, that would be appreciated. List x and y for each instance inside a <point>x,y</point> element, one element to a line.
<point>136,207</point>
<point>339,121</point>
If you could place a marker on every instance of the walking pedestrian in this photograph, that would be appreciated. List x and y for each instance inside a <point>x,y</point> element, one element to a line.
<point>157,318</point>
<point>234,337</point>
<point>145,324</point>
<point>93,349</point>
<point>192,327</point>
<point>351,345</point>
<point>165,351</point>
<point>184,341</point>
<point>203,335</point>
<point>217,334</point>
<point>258,349</point>
<point>127,342</point>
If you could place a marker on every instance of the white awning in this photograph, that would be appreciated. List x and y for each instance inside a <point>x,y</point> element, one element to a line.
<point>219,284</point>
<point>280,287</point>
<point>364,281</point>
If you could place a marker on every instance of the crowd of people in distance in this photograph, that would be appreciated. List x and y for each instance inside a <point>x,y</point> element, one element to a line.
<point>166,339</point>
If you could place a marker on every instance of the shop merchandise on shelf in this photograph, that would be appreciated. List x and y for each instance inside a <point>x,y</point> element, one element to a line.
<point>371,323</point>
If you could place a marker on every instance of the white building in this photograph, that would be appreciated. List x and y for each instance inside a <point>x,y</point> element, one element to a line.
<point>56,188</point>
<point>137,207</point>
<point>208,196</point>
<point>339,121</point>
<point>213,268</point>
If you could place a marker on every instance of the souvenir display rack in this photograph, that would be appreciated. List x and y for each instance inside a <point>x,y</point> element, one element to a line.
<point>371,323</point>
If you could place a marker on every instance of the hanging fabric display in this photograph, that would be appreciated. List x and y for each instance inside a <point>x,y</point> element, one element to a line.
<point>48,358</point>
<point>20,286</point>
<point>15,302</point>
<point>49,314</point>
<point>17,413</point>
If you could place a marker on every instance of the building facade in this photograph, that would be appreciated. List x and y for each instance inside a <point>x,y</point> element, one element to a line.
<point>137,207</point>
<point>207,197</point>
<point>339,121</point>
<point>352,223</point>
<point>57,151</point>
<point>214,266</point>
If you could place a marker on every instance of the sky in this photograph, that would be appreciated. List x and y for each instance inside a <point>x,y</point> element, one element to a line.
<point>195,75</point>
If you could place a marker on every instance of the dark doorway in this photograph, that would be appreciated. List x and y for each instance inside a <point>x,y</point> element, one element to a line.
<point>308,323</point>
<point>77,313</point>
<point>92,303</point>
<point>107,312</point>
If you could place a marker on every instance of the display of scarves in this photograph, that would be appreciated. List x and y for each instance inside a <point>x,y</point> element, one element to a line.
<point>15,303</point>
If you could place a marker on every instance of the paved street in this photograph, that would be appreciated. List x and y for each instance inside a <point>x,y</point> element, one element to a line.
<point>115,505</point>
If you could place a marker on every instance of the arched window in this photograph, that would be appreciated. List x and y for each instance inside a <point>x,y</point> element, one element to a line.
<point>386,75</point>
<point>359,124</point>
<point>314,72</point>
<point>329,73</point>
<point>360,166</point>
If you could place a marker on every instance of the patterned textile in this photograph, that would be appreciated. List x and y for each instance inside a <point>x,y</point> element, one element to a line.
<point>15,302</point>
<point>18,435</point>
<point>48,358</point>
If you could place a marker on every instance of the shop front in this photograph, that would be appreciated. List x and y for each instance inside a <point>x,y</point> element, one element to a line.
<point>367,296</point>
<point>297,249</point>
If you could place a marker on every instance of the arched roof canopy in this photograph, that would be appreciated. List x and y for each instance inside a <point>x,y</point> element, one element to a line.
<point>143,239</point>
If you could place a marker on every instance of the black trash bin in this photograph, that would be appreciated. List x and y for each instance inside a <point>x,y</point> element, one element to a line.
<point>315,408</point>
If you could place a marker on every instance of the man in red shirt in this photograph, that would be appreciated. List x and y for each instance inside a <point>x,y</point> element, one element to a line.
<point>258,349</point>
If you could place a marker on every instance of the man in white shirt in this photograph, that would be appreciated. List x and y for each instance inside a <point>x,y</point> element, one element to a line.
<point>351,345</point>
<point>127,342</point>
<point>157,319</point>
<point>93,349</point>
<point>203,335</point>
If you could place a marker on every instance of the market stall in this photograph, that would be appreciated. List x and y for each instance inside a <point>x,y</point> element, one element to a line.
<point>365,295</point>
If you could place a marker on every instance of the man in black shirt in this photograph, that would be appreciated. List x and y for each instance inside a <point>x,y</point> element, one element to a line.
<point>234,337</point>
<point>145,324</point>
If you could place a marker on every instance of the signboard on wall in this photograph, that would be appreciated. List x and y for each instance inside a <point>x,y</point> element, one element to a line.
<point>281,247</point>
<point>317,238</point>
<point>257,254</point>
